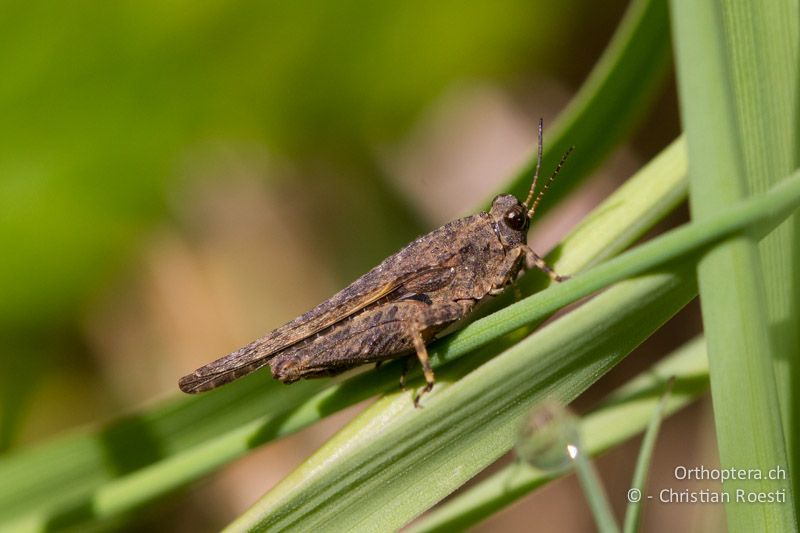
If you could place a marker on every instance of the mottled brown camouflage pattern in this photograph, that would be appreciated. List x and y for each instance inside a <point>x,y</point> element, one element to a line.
<point>395,308</point>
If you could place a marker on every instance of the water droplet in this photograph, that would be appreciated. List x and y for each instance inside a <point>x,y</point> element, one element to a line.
<point>549,438</point>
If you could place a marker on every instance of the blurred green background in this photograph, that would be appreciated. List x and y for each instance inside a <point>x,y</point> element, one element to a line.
<point>178,177</point>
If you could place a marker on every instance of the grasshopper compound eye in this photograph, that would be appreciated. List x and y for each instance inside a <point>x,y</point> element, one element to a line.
<point>516,218</point>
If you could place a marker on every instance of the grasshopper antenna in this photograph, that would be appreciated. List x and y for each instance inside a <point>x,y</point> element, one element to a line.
<point>538,166</point>
<point>549,181</point>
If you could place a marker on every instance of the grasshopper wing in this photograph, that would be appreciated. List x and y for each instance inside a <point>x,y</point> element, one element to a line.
<point>346,303</point>
<point>422,266</point>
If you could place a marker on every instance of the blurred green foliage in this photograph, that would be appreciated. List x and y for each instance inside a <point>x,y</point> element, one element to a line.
<point>100,100</point>
<point>103,104</point>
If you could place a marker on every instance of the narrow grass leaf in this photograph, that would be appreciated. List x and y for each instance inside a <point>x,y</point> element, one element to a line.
<point>634,510</point>
<point>626,413</point>
<point>393,461</point>
<point>733,293</point>
<point>635,63</point>
<point>761,39</point>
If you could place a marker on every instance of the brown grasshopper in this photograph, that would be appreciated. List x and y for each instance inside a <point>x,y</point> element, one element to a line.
<point>399,306</point>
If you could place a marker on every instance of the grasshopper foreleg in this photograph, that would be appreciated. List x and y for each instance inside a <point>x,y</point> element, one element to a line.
<point>532,259</point>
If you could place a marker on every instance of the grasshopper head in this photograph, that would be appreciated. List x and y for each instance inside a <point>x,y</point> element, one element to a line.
<point>510,219</point>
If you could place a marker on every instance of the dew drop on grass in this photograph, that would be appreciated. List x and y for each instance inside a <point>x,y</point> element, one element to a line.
<point>549,437</point>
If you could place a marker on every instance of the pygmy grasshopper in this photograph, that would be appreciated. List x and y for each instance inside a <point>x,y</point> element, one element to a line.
<point>399,306</point>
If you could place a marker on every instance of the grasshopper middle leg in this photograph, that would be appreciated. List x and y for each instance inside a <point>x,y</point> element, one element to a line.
<point>424,360</point>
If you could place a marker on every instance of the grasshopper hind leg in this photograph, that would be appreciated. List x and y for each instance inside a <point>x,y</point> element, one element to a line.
<point>388,331</point>
<point>433,318</point>
<point>424,360</point>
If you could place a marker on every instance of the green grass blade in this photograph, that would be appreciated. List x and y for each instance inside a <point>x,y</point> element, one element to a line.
<point>393,461</point>
<point>623,415</point>
<point>634,510</point>
<point>762,43</point>
<point>595,495</point>
<point>80,464</point>
<point>732,288</point>
<point>598,118</point>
